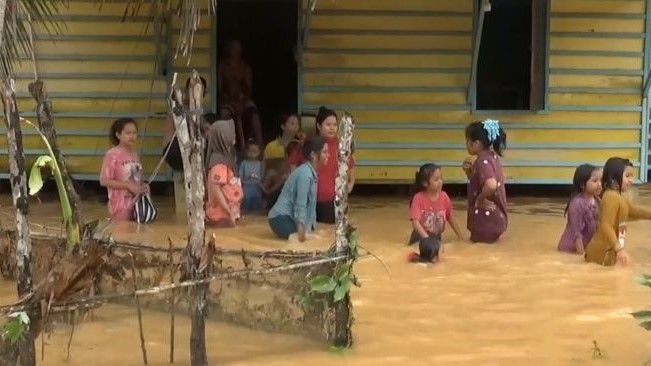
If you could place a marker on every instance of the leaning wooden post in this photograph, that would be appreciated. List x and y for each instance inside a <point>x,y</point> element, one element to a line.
<point>343,308</point>
<point>191,143</point>
<point>46,125</point>
<point>18,179</point>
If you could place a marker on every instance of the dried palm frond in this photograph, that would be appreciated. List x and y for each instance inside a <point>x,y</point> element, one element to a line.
<point>15,40</point>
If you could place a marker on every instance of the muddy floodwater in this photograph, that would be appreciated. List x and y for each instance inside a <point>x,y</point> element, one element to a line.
<point>517,303</point>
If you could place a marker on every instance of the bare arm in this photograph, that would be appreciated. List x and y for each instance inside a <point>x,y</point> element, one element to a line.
<point>419,229</point>
<point>456,228</point>
<point>216,191</point>
<point>487,190</point>
<point>636,212</point>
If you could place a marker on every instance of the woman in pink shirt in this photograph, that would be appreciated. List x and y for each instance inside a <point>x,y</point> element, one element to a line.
<point>121,170</point>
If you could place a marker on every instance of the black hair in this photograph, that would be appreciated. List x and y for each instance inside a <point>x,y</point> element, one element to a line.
<point>422,178</point>
<point>476,132</point>
<point>322,115</point>
<point>203,82</point>
<point>210,117</point>
<point>285,117</point>
<point>428,250</point>
<point>582,175</point>
<point>252,142</point>
<point>613,173</point>
<point>226,108</point>
<point>117,127</point>
<point>314,145</point>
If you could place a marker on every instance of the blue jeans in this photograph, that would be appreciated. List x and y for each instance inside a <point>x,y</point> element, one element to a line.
<point>283,226</point>
<point>252,201</point>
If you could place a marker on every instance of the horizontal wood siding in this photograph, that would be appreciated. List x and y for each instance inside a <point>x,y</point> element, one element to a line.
<point>96,70</point>
<point>402,68</point>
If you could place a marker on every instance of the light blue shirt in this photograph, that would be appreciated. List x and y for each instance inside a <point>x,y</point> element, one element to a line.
<point>298,197</point>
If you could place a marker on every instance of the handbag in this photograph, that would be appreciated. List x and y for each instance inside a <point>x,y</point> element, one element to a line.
<point>144,210</point>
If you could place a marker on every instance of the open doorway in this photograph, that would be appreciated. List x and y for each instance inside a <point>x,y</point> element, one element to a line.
<point>267,31</point>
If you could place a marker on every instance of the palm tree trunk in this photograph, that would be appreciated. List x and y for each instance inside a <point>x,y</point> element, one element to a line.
<point>18,179</point>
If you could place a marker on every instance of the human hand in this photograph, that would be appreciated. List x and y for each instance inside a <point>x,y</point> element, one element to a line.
<point>623,258</point>
<point>485,204</point>
<point>134,188</point>
<point>349,187</point>
<point>467,164</point>
<point>144,188</point>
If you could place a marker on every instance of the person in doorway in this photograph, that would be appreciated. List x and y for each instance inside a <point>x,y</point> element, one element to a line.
<point>121,170</point>
<point>582,210</point>
<point>251,173</point>
<point>326,127</point>
<point>275,157</point>
<point>171,149</point>
<point>235,88</point>
<point>223,186</point>
<point>607,245</point>
<point>487,218</point>
<point>295,210</point>
<point>429,210</point>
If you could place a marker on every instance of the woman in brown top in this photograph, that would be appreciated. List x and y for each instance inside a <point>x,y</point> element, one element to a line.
<point>607,244</point>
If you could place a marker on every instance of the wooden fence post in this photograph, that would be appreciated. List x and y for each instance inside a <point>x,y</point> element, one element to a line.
<point>18,180</point>
<point>187,121</point>
<point>343,308</point>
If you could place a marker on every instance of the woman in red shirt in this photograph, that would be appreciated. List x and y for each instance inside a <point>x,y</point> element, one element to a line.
<point>326,127</point>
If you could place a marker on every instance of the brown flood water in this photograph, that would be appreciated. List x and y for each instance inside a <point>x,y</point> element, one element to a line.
<point>514,303</point>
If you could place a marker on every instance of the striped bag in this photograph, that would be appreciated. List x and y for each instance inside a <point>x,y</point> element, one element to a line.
<point>144,211</point>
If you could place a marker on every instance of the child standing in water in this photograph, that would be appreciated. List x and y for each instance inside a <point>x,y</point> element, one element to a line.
<point>607,244</point>
<point>429,209</point>
<point>487,219</point>
<point>121,171</point>
<point>251,173</point>
<point>582,210</point>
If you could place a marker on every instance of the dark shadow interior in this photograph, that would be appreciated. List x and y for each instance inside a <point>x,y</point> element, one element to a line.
<point>504,68</point>
<point>267,30</point>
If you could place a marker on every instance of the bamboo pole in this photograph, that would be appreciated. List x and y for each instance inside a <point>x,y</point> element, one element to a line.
<point>343,308</point>
<point>139,310</point>
<point>172,300</point>
<point>187,120</point>
<point>18,179</point>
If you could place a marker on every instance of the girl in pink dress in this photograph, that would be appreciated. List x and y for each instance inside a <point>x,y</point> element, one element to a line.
<point>121,172</point>
<point>582,210</point>
<point>487,219</point>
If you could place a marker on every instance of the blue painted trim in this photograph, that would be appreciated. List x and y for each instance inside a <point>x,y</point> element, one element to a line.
<point>85,132</point>
<point>599,15</point>
<point>396,13</point>
<point>389,107</point>
<point>514,146</point>
<point>632,35</point>
<point>587,90</point>
<point>477,29</point>
<point>644,136</point>
<point>161,177</point>
<point>97,95</point>
<point>604,72</point>
<point>596,53</point>
<point>386,51</point>
<point>397,32</point>
<point>87,76</point>
<point>384,89</point>
<point>99,114</point>
<point>507,125</point>
<point>596,108</point>
<point>307,22</point>
<point>84,152</point>
<point>386,70</point>
<point>456,163</point>
<point>548,38</point>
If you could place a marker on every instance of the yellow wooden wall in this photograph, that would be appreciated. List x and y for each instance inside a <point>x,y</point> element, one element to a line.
<point>96,70</point>
<point>402,67</point>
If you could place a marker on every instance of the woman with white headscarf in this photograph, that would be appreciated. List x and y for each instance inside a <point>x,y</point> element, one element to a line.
<point>223,186</point>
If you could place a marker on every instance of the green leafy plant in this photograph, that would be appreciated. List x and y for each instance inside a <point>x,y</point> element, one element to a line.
<point>36,184</point>
<point>14,330</point>
<point>339,283</point>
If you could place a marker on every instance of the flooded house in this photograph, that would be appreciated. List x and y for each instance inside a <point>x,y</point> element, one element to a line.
<point>568,79</point>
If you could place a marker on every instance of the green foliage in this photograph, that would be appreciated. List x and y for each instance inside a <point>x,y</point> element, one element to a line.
<point>36,183</point>
<point>339,283</point>
<point>14,329</point>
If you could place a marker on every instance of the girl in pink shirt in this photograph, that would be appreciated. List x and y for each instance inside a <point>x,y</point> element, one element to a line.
<point>430,208</point>
<point>121,170</point>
